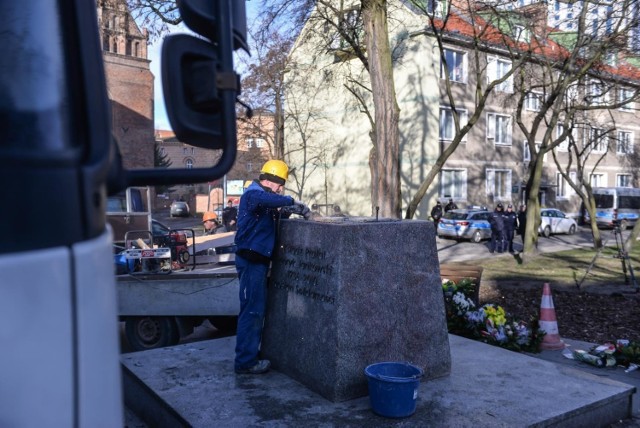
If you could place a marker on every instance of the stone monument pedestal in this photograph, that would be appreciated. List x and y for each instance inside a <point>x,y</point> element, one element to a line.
<point>348,292</point>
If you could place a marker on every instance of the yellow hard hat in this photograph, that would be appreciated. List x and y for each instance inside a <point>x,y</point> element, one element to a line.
<point>209,216</point>
<point>276,168</point>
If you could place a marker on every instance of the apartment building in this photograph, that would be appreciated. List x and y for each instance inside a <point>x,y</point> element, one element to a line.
<point>492,162</point>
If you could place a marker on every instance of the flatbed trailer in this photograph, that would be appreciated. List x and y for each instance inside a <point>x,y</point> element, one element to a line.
<point>160,308</point>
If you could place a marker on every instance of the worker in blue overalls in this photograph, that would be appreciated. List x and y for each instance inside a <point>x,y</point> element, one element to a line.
<point>258,212</point>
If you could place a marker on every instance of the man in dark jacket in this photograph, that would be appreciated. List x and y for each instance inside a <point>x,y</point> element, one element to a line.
<point>510,223</point>
<point>522,221</point>
<point>255,241</point>
<point>436,213</point>
<point>496,220</point>
<point>229,217</point>
<point>450,206</point>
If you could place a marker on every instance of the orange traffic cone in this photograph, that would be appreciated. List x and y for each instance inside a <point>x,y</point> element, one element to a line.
<point>548,322</point>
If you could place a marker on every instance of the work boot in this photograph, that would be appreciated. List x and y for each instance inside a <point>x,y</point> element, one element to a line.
<point>262,366</point>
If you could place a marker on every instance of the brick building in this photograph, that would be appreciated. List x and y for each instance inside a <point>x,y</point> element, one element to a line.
<point>129,82</point>
<point>255,146</point>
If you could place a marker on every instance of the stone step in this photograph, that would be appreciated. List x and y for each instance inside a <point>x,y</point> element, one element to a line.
<point>194,385</point>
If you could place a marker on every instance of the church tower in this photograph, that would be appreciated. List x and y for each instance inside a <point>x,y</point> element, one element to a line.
<point>129,82</point>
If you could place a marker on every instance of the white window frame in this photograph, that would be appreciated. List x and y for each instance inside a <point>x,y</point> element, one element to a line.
<point>493,134</point>
<point>188,163</point>
<point>526,153</point>
<point>533,101</point>
<point>564,145</point>
<point>598,142</point>
<point>598,92</point>
<point>446,111</point>
<point>496,69</point>
<point>436,8</point>
<point>598,179</point>
<point>455,189</point>
<point>249,142</point>
<point>458,72</point>
<point>620,184</point>
<point>505,195</point>
<point>249,166</point>
<point>260,143</point>
<point>624,94</point>
<point>565,191</point>
<point>624,142</point>
<point>521,34</point>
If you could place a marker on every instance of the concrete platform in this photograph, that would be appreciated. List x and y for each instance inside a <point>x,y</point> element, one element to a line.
<point>194,385</point>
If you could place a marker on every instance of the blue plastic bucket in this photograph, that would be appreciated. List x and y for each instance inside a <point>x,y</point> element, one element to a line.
<point>393,388</point>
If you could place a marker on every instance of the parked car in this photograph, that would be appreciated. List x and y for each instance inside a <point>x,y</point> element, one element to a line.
<point>179,209</point>
<point>471,224</point>
<point>555,221</point>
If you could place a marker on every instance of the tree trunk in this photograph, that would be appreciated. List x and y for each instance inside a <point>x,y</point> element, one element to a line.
<point>385,182</point>
<point>533,210</point>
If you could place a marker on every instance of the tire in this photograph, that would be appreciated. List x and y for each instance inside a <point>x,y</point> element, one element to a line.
<point>476,237</point>
<point>151,332</point>
<point>572,229</point>
<point>623,225</point>
<point>546,232</point>
<point>226,324</point>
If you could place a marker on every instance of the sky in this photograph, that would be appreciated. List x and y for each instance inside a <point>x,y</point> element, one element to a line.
<point>153,54</point>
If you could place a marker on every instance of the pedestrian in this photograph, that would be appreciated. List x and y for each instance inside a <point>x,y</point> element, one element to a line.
<point>436,213</point>
<point>510,224</point>
<point>450,206</point>
<point>210,223</point>
<point>230,216</point>
<point>522,221</point>
<point>255,239</point>
<point>496,220</point>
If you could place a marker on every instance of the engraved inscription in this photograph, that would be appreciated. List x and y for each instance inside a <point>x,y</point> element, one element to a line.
<point>304,271</point>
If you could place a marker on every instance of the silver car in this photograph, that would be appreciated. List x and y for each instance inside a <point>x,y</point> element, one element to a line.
<point>555,221</point>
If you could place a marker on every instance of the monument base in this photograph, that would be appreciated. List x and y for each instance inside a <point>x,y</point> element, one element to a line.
<point>349,293</point>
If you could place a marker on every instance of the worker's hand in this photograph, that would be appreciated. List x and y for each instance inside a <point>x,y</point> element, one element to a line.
<point>302,209</point>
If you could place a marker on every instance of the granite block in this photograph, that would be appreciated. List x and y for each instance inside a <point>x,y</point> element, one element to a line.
<point>349,292</point>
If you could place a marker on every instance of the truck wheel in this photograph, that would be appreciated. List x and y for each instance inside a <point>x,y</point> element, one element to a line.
<point>151,332</point>
<point>226,324</point>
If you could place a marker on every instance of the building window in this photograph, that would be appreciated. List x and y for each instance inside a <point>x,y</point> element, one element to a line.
<point>189,163</point>
<point>249,166</point>
<point>521,34</point>
<point>626,94</point>
<point>499,129</point>
<point>453,183</point>
<point>598,140</point>
<point>454,64</point>
<point>249,143</point>
<point>499,184</point>
<point>624,143</point>
<point>565,191</point>
<point>598,180</point>
<point>193,150</point>
<point>564,144</point>
<point>624,180</point>
<point>497,68</point>
<point>447,125</point>
<point>184,151</point>
<point>526,153</point>
<point>260,142</point>
<point>598,93</point>
<point>533,101</point>
<point>436,8</point>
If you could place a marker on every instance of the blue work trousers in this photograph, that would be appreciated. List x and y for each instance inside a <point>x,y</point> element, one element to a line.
<point>253,303</point>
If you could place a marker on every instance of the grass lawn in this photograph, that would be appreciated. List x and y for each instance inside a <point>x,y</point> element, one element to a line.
<point>564,267</point>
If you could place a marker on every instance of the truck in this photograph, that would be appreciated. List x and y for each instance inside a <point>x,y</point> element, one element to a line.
<point>58,298</point>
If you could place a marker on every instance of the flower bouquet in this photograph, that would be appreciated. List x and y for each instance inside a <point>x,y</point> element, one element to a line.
<point>489,323</point>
